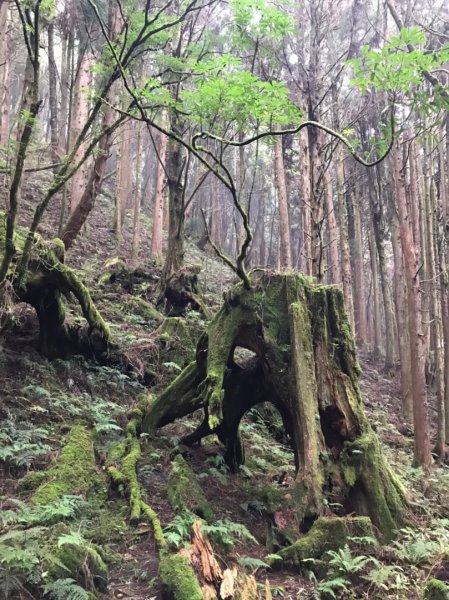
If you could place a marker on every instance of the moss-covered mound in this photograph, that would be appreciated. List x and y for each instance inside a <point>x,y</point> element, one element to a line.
<point>184,492</point>
<point>436,590</point>
<point>74,473</point>
<point>178,581</point>
<point>326,534</point>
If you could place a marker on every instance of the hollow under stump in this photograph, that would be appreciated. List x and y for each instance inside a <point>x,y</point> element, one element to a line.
<point>43,285</point>
<point>305,364</point>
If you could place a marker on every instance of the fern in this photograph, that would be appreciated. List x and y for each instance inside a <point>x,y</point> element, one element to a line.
<point>331,586</point>
<point>73,538</point>
<point>65,589</point>
<point>382,575</point>
<point>224,533</point>
<point>65,507</point>
<point>343,561</point>
<point>252,563</point>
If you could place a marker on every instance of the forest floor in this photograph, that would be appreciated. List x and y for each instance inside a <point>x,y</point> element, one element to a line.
<point>41,400</point>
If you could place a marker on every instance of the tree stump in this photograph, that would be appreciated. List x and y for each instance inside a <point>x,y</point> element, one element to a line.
<point>43,286</point>
<point>305,364</point>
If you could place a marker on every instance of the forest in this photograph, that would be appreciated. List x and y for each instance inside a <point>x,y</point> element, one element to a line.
<point>224,299</point>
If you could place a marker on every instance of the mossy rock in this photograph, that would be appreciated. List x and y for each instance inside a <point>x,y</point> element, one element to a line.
<point>436,590</point>
<point>327,533</point>
<point>82,563</point>
<point>184,492</point>
<point>74,472</point>
<point>178,581</point>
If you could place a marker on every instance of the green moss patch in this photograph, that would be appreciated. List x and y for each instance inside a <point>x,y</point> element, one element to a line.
<point>436,590</point>
<point>178,581</point>
<point>74,472</point>
<point>184,492</point>
<point>326,534</point>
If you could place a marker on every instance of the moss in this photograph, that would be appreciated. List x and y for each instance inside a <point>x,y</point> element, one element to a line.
<point>326,534</point>
<point>128,452</point>
<point>376,491</point>
<point>32,481</point>
<point>270,496</point>
<point>172,398</point>
<point>436,590</point>
<point>184,492</point>
<point>83,563</point>
<point>178,337</point>
<point>138,306</point>
<point>178,581</point>
<point>74,471</point>
<point>107,524</point>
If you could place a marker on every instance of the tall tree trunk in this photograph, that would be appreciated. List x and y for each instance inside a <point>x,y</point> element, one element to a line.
<point>174,259</point>
<point>402,328</point>
<point>81,109</point>
<point>67,93</point>
<point>305,251</point>
<point>53,98</point>
<point>284,225</point>
<point>435,308</point>
<point>5,69</point>
<point>334,254</point>
<point>159,198</point>
<point>346,272</point>
<point>417,359</point>
<point>138,193</point>
<point>355,230</point>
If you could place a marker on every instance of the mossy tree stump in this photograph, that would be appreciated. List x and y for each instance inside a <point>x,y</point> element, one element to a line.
<point>44,284</point>
<point>305,364</point>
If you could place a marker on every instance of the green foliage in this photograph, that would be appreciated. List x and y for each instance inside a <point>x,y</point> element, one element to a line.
<point>329,588</point>
<point>65,589</point>
<point>64,508</point>
<point>222,533</point>
<point>343,562</point>
<point>252,563</point>
<point>418,547</point>
<point>225,533</point>
<point>177,532</point>
<point>386,577</point>
<point>399,66</point>
<point>239,97</point>
<point>21,443</point>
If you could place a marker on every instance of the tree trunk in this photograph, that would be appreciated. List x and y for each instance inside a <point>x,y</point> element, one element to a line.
<point>159,198</point>
<point>306,366</point>
<point>346,272</point>
<point>81,109</point>
<point>138,193</point>
<point>5,69</point>
<point>53,98</point>
<point>284,225</point>
<point>334,255</point>
<point>402,329</point>
<point>417,359</point>
<point>174,259</point>
<point>45,283</point>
